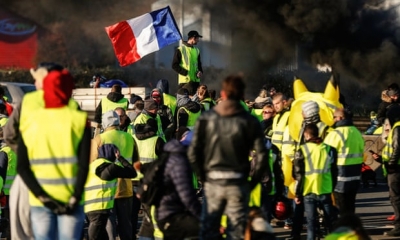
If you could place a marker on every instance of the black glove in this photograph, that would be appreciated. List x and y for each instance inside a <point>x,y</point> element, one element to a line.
<point>54,205</point>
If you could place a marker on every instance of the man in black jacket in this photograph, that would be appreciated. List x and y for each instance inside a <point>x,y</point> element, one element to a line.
<point>222,140</point>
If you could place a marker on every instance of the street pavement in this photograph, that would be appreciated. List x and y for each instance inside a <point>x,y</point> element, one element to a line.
<point>372,206</point>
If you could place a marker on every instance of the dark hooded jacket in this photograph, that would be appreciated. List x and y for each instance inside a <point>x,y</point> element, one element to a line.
<point>181,115</point>
<point>166,116</point>
<point>222,140</point>
<point>112,96</point>
<point>180,196</point>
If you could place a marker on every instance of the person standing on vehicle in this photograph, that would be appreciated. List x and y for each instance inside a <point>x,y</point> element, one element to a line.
<point>219,153</point>
<point>53,168</point>
<point>187,62</point>
<point>113,100</point>
<point>349,144</point>
<point>315,172</point>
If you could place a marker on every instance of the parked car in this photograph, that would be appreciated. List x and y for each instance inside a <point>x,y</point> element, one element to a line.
<point>14,91</point>
<point>109,83</point>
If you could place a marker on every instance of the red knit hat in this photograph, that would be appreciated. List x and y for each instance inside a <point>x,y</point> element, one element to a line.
<point>57,87</point>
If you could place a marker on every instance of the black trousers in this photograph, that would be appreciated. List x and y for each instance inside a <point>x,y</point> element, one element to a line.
<point>394,195</point>
<point>346,202</point>
<point>180,226</point>
<point>97,224</point>
<point>122,213</point>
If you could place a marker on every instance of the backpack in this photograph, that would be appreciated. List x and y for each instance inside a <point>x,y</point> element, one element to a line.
<point>152,188</point>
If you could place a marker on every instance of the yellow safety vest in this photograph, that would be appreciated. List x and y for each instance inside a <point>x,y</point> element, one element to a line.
<point>33,101</point>
<point>207,103</point>
<point>258,113</point>
<point>123,141</point>
<point>189,62</point>
<point>388,149</point>
<point>318,176</point>
<point>3,121</point>
<point>99,194</point>
<point>278,127</point>
<point>11,169</point>
<point>142,119</point>
<point>170,101</point>
<point>107,104</point>
<point>346,235</point>
<point>54,159</point>
<point>192,118</point>
<point>157,232</point>
<point>147,152</point>
<point>349,144</point>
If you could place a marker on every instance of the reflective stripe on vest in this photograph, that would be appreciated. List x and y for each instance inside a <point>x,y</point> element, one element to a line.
<point>207,103</point>
<point>11,169</point>
<point>99,194</point>
<point>349,144</point>
<point>189,62</point>
<point>278,128</point>
<point>142,119</point>
<point>192,118</point>
<point>147,149</point>
<point>318,177</point>
<point>170,101</point>
<point>107,104</point>
<point>53,159</point>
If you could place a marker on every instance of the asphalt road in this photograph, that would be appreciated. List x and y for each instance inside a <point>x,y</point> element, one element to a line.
<point>372,206</point>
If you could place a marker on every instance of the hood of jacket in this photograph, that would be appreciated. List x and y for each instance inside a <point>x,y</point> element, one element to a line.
<point>229,108</point>
<point>161,94</point>
<point>115,96</point>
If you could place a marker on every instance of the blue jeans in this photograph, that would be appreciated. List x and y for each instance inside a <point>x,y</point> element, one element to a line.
<point>49,226</point>
<point>232,200</point>
<point>324,202</point>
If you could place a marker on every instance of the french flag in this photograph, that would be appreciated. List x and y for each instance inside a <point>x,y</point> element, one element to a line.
<point>137,37</point>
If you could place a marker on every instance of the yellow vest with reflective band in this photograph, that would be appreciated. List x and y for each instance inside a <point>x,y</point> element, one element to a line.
<point>53,159</point>
<point>123,141</point>
<point>107,104</point>
<point>258,113</point>
<point>142,119</point>
<point>317,161</point>
<point>278,127</point>
<point>272,160</point>
<point>387,151</point>
<point>3,121</point>
<point>189,62</point>
<point>33,101</point>
<point>170,101</point>
<point>347,235</point>
<point>99,194</point>
<point>207,103</point>
<point>192,118</point>
<point>349,145</point>
<point>147,149</point>
<point>11,169</point>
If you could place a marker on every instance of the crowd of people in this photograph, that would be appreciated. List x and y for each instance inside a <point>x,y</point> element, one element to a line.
<point>228,162</point>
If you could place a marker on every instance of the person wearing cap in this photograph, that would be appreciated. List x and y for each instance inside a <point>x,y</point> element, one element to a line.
<point>310,113</point>
<point>114,99</point>
<point>187,62</point>
<point>259,103</point>
<point>165,113</point>
<point>53,168</point>
<point>19,205</point>
<point>150,111</point>
<point>188,110</point>
<point>349,143</point>
<point>387,97</point>
<point>123,199</point>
